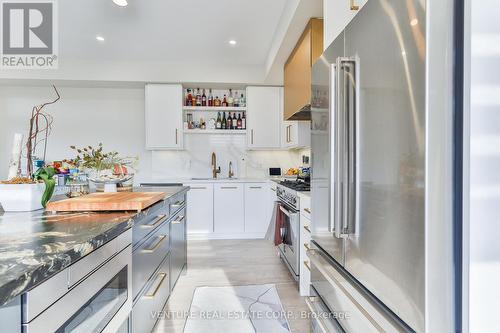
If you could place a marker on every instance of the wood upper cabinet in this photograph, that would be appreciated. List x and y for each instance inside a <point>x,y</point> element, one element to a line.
<point>298,67</point>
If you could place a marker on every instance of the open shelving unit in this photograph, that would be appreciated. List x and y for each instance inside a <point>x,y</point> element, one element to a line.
<point>214,131</point>
<point>214,108</point>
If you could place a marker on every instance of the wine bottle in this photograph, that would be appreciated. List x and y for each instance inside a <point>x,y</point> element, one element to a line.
<point>239,124</point>
<point>210,98</point>
<point>229,121</point>
<point>198,97</point>
<point>224,123</point>
<point>236,100</point>
<point>189,98</point>
<point>243,121</point>
<point>235,122</point>
<point>204,99</point>
<point>230,98</point>
<point>218,123</point>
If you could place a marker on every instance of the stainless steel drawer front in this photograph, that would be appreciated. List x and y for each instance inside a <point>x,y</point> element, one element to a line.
<point>58,313</point>
<point>148,256</point>
<point>339,293</point>
<point>178,246</point>
<point>322,321</point>
<point>152,219</point>
<point>41,297</point>
<point>152,300</point>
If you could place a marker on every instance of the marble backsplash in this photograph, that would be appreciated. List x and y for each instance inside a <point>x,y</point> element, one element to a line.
<point>195,159</point>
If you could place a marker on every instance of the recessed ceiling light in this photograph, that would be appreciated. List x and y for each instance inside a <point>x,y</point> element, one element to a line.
<point>232,42</point>
<point>121,3</point>
<point>99,38</point>
<point>413,22</point>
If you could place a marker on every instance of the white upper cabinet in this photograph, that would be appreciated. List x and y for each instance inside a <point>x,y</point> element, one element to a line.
<point>163,116</point>
<point>336,16</point>
<point>264,113</point>
<point>296,134</point>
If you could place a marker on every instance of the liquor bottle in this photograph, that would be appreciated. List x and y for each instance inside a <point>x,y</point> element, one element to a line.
<point>193,99</point>
<point>203,99</point>
<point>189,98</point>
<point>229,121</point>
<point>242,101</point>
<point>236,101</point>
<point>239,124</point>
<point>235,122</point>
<point>217,101</point>
<point>243,121</point>
<point>224,123</point>
<point>198,97</point>
<point>210,98</point>
<point>230,99</point>
<point>224,101</point>
<point>218,123</point>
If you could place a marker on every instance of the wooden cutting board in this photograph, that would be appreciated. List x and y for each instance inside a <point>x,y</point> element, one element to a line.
<point>120,201</point>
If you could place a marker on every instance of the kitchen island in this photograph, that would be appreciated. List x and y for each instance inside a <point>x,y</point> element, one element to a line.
<point>47,255</point>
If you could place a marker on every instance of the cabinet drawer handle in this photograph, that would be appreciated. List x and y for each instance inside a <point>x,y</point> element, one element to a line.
<point>252,135</point>
<point>228,187</point>
<point>273,189</point>
<point>307,228</point>
<point>306,263</point>
<point>178,204</point>
<point>176,140</point>
<point>152,293</point>
<point>307,246</point>
<point>197,188</point>
<point>256,187</point>
<point>179,220</point>
<point>307,210</point>
<point>156,244</point>
<point>354,6</point>
<point>155,222</point>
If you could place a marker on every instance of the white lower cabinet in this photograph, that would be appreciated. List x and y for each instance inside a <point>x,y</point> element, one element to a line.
<point>305,240</point>
<point>200,208</point>
<point>229,208</point>
<point>257,208</point>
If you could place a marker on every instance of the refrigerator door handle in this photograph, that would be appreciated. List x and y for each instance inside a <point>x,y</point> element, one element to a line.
<point>351,106</point>
<point>345,157</point>
<point>334,151</point>
<point>340,167</point>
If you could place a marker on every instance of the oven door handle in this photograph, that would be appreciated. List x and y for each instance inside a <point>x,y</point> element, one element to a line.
<point>286,212</point>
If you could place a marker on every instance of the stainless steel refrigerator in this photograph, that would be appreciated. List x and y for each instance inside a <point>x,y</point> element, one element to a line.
<point>368,172</point>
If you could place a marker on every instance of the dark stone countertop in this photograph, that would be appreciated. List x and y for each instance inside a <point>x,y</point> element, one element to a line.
<point>36,245</point>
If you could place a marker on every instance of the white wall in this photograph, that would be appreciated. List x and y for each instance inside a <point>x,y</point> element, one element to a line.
<point>83,116</point>
<point>115,117</point>
<point>336,16</point>
<point>483,226</point>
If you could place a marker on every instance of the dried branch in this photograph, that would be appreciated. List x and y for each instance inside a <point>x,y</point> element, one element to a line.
<point>40,122</point>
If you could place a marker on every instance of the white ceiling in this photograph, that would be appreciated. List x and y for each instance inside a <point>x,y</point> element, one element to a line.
<point>187,31</point>
<point>175,41</point>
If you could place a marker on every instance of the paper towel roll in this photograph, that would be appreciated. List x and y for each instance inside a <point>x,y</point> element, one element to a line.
<point>17,147</point>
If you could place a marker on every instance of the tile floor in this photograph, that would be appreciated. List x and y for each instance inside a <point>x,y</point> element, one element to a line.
<point>233,262</point>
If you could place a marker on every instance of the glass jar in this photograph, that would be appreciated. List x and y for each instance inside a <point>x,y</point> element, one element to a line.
<point>77,184</point>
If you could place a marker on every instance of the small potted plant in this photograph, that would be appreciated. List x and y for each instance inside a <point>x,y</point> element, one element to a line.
<point>105,167</point>
<point>32,189</point>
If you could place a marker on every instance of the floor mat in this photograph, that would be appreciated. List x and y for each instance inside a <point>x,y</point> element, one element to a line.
<point>253,308</point>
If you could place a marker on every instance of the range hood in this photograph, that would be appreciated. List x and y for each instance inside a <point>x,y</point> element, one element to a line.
<point>303,114</point>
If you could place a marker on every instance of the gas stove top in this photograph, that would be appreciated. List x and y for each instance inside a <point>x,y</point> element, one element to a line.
<point>297,185</point>
<point>287,192</point>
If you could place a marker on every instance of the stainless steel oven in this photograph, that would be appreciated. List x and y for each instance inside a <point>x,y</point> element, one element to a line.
<point>290,233</point>
<point>96,294</point>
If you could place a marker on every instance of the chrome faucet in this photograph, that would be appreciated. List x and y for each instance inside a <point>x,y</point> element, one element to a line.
<point>215,169</point>
<point>231,173</point>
